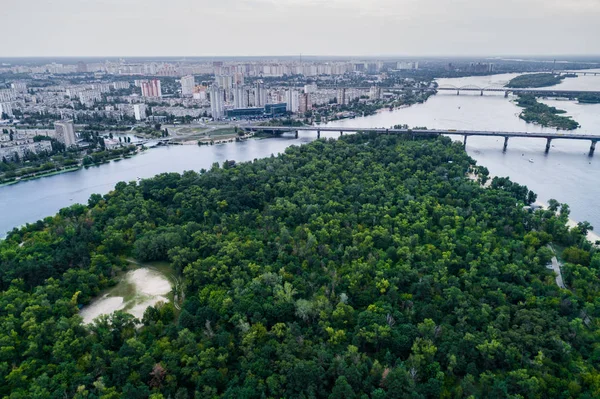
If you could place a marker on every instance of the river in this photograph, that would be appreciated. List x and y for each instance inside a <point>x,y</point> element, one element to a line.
<point>566,173</point>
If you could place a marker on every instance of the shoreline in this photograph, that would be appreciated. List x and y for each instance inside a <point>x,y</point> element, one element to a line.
<point>591,236</point>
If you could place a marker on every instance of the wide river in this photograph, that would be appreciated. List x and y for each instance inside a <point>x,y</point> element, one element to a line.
<point>566,173</point>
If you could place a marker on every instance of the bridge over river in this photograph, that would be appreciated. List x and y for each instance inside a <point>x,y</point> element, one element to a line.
<point>435,132</point>
<point>546,92</point>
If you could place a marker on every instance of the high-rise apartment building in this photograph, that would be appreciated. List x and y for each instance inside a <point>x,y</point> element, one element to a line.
<point>341,96</point>
<point>238,78</point>
<point>240,96</point>
<point>187,85</point>
<point>292,101</point>
<point>140,112</point>
<point>65,132</point>
<point>305,103</point>
<point>260,94</point>
<point>224,81</point>
<point>217,102</point>
<point>375,93</point>
<point>19,87</point>
<point>151,88</point>
<point>6,109</point>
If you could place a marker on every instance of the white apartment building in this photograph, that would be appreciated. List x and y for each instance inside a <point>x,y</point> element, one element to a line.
<point>187,85</point>
<point>140,112</point>
<point>6,108</point>
<point>217,108</point>
<point>65,133</point>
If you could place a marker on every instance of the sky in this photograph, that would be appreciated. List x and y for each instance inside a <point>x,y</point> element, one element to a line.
<point>290,27</point>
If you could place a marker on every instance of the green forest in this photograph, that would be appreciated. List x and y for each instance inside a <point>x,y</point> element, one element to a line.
<point>544,115</point>
<point>535,80</point>
<point>367,267</point>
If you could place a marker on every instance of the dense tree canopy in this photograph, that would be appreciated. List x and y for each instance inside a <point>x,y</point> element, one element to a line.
<point>368,267</point>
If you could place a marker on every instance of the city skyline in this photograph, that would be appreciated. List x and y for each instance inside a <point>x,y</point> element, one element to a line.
<point>292,27</point>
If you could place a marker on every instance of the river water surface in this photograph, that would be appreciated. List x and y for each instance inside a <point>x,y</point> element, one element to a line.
<point>566,173</point>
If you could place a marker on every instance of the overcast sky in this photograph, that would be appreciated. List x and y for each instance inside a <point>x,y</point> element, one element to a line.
<point>290,27</point>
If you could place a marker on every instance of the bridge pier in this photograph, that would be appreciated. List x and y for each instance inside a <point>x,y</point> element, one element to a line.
<point>387,131</point>
<point>296,135</point>
<point>318,134</point>
<point>505,144</point>
<point>506,94</point>
<point>465,141</point>
<point>458,92</point>
<point>592,148</point>
<point>481,93</point>
<point>341,132</point>
<point>548,142</point>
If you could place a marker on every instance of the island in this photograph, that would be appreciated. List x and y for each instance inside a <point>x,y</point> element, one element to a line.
<point>544,115</point>
<point>589,98</point>
<point>373,266</point>
<point>535,80</point>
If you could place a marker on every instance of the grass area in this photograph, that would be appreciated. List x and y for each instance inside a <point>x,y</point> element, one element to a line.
<point>190,130</point>
<point>223,132</point>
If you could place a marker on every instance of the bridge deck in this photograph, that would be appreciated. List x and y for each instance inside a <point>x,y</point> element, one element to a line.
<point>568,136</point>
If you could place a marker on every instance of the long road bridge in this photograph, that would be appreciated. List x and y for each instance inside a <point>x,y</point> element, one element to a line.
<point>507,90</point>
<point>584,73</point>
<point>546,92</point>
<point>433,132</point>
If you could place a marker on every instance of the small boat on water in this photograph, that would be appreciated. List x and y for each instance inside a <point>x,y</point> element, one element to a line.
<point>530,160</point>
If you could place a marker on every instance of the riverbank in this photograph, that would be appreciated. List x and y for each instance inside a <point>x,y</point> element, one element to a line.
<point>592,237</point>
<point>39,176</point>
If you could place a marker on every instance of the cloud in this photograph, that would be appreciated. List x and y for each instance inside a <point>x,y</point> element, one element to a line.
<point>321,27</point>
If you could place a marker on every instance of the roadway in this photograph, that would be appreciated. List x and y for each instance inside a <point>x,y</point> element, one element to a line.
<point>569,136</point>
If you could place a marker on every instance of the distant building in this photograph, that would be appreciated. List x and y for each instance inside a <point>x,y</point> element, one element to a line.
<point>82,67</point>
<point>305,103</point>
<point>187,85</point>
<point>240,96</point>
<point>217,102</point>
<point>260,94</point>
<point>6,108</point>
<point>407,65</point>
<point>341,96</point>
<point>121,85</point>
<point>479,67</point>
<point>199,93</point>
<point>238,78</point>
<point>310,89</point>
<point>375,93</point>
<point>292,100</point>
<point>65,132</point>
<point>151,88</point>
<point>242,113</point>
<point>275,109</point>
<point>140,112</point>
<point>7,95</point>
<point>19,87</point>
<point>10,153</point>
<point>224,81</point>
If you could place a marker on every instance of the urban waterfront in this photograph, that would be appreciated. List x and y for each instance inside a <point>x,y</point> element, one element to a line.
<point>566,173</point>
